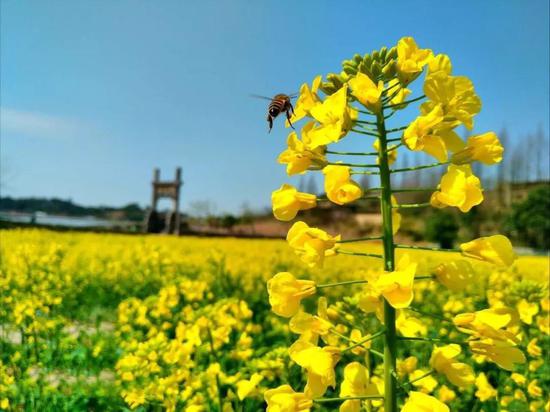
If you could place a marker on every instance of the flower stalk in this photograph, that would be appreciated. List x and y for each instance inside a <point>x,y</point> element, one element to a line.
<point>390,336</point>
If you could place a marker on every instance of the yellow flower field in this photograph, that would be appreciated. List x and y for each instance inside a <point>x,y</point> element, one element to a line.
<point>111,322</point>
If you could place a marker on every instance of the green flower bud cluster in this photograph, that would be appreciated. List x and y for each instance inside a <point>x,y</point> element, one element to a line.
<point>525,289</point>
<point>378,65</point>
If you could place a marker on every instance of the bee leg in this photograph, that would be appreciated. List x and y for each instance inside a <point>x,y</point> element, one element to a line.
<point>288,118</point>
<point>270,122</point>
<point>291,107</point>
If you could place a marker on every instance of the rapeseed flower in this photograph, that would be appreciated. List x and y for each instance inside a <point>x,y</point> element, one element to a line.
<point>421,402</point>
<point>460,188</point>
<point>366,91</point>
<point>484,148</point>
<point>284,399</point>
<point>286,292</point>
<point>339,186</point>
<point>302,155</point>
<point>287,202</point>
<point>495,249</point>
<point>410,59</point>
<point>456,275</point>
<point>311,244</point>
<point>459,374</point>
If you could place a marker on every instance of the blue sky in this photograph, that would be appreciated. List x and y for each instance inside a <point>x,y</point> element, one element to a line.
<point>94,94</point>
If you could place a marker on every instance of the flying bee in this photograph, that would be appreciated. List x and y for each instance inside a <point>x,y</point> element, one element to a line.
<point>278,104</point>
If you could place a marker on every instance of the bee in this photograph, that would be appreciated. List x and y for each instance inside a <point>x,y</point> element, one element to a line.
<point>278,104</point>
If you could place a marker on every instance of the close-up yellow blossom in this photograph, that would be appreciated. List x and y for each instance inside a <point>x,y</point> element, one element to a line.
<point>313,245</point>
<point>456,275</point>
<point>302,155</point>
<point>286,292</point>
<point>284,399</point>
<point>411,59</point>
<point>485,390</point>
<point>367,92</point>
<point>287,202</point>
<point>484,148</point>
<point>397,286</point>
<point>459,188</point>
<point>339,186</point>
<point>421,402</point>
<point>495,249</point>
<point>443,361</point>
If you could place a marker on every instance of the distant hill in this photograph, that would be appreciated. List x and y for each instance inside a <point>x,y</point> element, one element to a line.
<point>62,207</point>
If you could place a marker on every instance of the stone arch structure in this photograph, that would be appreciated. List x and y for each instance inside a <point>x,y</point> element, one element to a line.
<point>170,190</point>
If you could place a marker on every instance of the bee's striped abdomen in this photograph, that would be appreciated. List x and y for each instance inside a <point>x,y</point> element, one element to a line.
<point>277,105</point>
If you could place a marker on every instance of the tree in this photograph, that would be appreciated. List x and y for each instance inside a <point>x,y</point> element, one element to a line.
<point>442,227</point>
<point>530,220</point>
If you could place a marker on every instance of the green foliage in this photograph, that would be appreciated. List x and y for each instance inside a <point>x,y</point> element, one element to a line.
<point>442,227</point>
<point>530,220</point>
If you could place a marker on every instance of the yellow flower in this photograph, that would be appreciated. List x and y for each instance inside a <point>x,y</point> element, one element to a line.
<point>397,286</point>
<point>489,323</point>
<point>527,310</point>
<point>410,326</point>
<point>392,153</point>
<point>420,402</point>
<point>502,353</point>
<point>399,93</point>
<point>311,244</point>
<point>455,275</point>
<point>460,188</point>
<point>446,394</point>
<point>319,364</point>
<point>356,336</point>
<point>442,360</point>
<point>302,155</point>
<point>335,116</point>
<point>455,95</point>
<point>495,249</point>
<point>422,134</point>
<point>284,399</point>
<point>426,384</point>
<point>440,64</point>
<point>4,403</point>
<point>339,187</point>
<point>533,349</point>
<point>245,387</point>
<point>355,383</point>
<point>518,378</point>
<point>534,389</point>
<point>366,91</point>
<point>484,389</point>
<point>406,366</point>
<point>484,148</point>
<point>303,322</point>
<point>395,216</point>
<point>307,100</point>
<point>286,292</point>
<point>410,59</point>
<point>287,201</point>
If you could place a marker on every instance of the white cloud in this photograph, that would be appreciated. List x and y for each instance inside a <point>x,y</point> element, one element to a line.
<point>39,125</point>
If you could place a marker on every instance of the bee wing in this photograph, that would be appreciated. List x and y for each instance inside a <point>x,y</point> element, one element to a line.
<point>294,95</point>
<point>257,96</point>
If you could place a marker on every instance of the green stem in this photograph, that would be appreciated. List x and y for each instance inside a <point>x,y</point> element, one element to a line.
<point>390,341</point>
<point>433,340</point>
<point>347,282</point>
<point>407,169</point>
<point>353,164</point>
<point>395,139</point>
<point>411,205</point>
<point>389,106</point>
<point>349,252</point>
<point>352,153</point>
<point>424,277</point>
<point>436,249</point>
<point>397,129</point>
<point>365,122</point>
<point>419,378</point>
<point>362,342</point>
<point>364,172</point>
<point>360,239</point>
<point>322,400</point>
<point>362,132</point>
